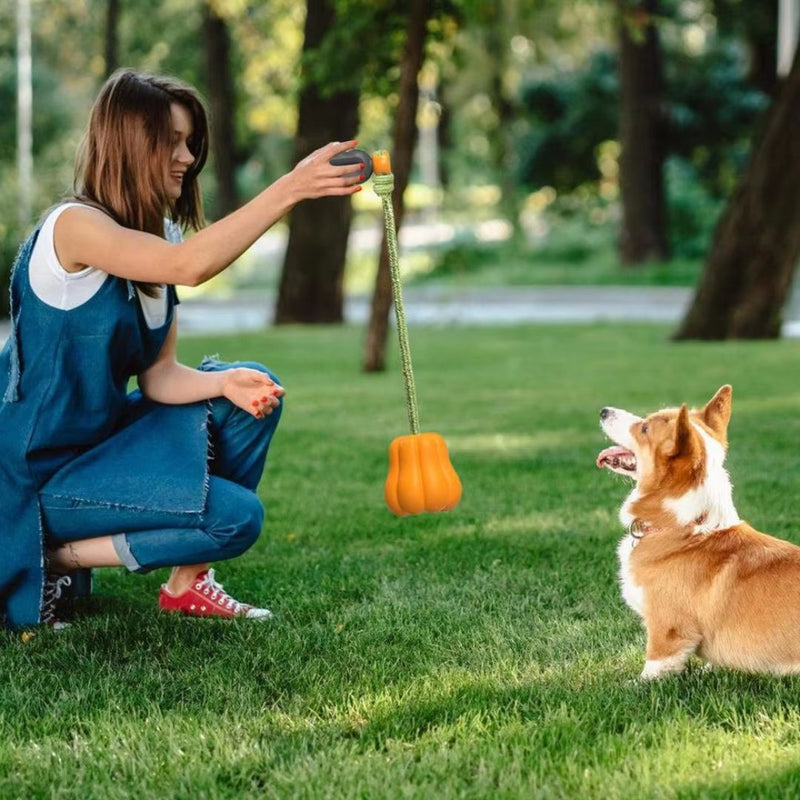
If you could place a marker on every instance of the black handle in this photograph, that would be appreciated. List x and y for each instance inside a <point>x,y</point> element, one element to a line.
<point>360,159</point>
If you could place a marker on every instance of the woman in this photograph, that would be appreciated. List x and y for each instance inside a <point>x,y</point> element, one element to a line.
<point>93,476</point>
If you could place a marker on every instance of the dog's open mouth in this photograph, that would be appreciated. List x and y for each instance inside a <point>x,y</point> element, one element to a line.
<point>617,459</point>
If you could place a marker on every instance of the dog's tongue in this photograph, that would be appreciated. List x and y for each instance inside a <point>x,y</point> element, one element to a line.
<point>607,456</point>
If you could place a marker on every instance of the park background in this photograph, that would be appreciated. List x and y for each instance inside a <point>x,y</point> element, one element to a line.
<point>623,173</point>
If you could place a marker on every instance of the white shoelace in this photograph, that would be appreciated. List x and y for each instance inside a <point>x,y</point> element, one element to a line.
<point>52,592</point>
<point>208,586</point>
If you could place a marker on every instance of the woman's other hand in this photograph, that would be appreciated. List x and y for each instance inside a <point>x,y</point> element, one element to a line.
<point>252,391</point>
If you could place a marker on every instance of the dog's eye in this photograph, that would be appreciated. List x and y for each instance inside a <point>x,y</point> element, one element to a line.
<point>644,427</point>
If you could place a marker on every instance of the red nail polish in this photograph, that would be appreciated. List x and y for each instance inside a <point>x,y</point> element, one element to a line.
<point>361,177</point>
<point>264,399</point>
<point>254,403</point>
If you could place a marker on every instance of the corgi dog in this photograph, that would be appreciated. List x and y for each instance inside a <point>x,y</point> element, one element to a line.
<point>703,581</point>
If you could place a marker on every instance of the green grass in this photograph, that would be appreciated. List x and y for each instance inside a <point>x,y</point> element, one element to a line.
<point>483,653</point>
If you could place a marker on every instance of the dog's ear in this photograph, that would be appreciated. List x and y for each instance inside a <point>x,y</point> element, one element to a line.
<point>717,412</point>
<point>685,439</point>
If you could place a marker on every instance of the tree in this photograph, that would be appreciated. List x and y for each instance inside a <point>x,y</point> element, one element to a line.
<point>222,99</point>
<point>755,24</point>
<point>748,273</point>
<point>111,37</point>
<point>311,281</point>
<point>643,235</point>
<point>403,141</point>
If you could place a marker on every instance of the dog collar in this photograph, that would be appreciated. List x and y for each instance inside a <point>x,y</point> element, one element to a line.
<point>639,528</point>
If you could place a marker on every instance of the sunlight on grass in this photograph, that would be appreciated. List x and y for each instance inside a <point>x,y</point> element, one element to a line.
<point>512,444</point>
<point>550,521</point>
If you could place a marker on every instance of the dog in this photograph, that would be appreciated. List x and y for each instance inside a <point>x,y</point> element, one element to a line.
<point>703,581</point>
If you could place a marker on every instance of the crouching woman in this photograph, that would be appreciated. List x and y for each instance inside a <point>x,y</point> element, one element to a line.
<point>92,475</point>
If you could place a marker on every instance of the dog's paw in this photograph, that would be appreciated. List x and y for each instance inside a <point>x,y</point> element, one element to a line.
<point>662,668</point>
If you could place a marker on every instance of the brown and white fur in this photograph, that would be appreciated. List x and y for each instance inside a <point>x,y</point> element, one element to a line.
<point>703,581</point>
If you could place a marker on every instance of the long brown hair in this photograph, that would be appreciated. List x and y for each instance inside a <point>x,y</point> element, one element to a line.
<point>120,165</point>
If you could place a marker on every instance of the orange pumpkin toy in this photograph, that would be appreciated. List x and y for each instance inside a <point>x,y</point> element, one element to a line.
<point>421,477</point>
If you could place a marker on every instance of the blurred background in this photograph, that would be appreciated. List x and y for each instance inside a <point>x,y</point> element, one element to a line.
<point>535,143</point>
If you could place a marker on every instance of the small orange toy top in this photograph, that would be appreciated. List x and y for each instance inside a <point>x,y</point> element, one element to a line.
<point>381,163</point>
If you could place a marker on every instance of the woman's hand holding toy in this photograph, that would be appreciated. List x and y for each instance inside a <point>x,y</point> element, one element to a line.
<point>316,176</point>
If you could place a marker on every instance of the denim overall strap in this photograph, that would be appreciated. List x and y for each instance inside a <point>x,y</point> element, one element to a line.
<point>15,369</point>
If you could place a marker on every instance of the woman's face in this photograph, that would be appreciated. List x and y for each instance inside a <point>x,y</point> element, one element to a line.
<point>180,158</point>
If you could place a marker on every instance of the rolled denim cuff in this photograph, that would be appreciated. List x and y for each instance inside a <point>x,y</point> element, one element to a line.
<point>123,550</point>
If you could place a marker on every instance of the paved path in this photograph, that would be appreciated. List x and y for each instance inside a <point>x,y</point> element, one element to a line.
<point>478,306</point>
<point>471,306</point>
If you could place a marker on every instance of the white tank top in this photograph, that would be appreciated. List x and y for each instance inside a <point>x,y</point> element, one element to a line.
<point>64,290</point>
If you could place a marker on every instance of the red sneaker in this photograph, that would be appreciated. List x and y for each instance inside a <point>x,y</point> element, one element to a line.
<point>206,598</point>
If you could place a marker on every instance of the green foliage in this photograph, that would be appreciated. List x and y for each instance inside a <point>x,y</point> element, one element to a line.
<point>9,244</point>
<point>573,242</point>
<point>481,653</point>
<point>692,210</point>
<point>51,111</point>
<point>540,77</point>
<point>365,43</point>
<point>11,235</point>
<point>573,253</point>
<point>59,95</point>
<point>711,114</point>
<point>568,115</point>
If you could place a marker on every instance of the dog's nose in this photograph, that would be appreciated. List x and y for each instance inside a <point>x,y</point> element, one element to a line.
<point>605,413</point>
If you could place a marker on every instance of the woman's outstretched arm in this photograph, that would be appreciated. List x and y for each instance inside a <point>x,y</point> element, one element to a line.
<point>87,237</point>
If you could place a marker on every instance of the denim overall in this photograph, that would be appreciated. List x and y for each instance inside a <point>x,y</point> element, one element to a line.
<point>70,431</point>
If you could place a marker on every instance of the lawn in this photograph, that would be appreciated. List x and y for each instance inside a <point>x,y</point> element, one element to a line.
<point>483,653</point>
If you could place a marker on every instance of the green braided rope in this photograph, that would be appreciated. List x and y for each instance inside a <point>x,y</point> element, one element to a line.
<point>384,186</point>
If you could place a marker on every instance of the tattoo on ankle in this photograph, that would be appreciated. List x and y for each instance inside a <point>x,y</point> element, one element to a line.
<point>72,556</point>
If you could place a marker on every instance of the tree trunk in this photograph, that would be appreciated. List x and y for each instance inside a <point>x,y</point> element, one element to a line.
<point>403,140</point>
<point>445,133</point>
<point>313,269</point>
<point>111,37</point>
<point>222,99</point>
<point>643,235</point>
<point>498,27</point>
<point>762,42</point>
<point>748,273</point>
